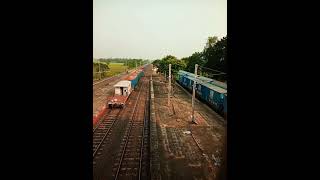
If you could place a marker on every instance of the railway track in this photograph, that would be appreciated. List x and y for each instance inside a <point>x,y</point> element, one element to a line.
<point>121,139</point>
<point>103,120</point>
<point>132,161</point>
<point>103,128</point>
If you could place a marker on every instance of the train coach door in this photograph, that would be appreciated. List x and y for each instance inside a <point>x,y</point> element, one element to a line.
<point>121,91</point>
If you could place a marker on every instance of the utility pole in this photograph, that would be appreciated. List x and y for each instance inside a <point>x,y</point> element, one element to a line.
<point>152,71</point>
<point>99,70</point>
<point>169,86</point>
<point>194,91</point>
<point>136,65</point>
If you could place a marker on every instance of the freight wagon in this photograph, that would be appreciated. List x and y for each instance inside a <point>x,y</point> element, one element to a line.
<point>123,89</point>
<point>134,78</point>
<point>213,92</point>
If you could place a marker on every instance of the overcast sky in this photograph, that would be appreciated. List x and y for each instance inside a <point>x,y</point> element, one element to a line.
<point>151,29</point>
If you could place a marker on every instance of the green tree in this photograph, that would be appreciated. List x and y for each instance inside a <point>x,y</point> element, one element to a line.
<point>211,41</point>
<point>215,55</point>
<point>195,58</point>
<point>99,69</point>
<point>163,64</point>
<point>156,63</point>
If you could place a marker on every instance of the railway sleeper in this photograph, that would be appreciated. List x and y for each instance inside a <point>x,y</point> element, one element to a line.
<point>107,123</point>
<point>96,140</point>
<point>129,155</point>
<point>129,159</point>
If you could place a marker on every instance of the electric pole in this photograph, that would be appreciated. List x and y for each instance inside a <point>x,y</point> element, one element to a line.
<point>194,91</point>
<point>99,70</point>
<point>152,71</point>
<point>169,86</point>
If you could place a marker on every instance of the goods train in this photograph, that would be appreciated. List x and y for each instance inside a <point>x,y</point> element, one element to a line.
<point>211,91</point>
<point>123,89</point>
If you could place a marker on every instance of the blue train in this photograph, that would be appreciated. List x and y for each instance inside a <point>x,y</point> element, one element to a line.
<point>134,77</point>
<point>211,91</point>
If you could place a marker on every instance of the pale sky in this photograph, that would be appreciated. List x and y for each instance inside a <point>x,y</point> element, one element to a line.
<point>152,29</point>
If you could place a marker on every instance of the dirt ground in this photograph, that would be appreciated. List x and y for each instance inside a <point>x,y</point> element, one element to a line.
<point>186,150</point>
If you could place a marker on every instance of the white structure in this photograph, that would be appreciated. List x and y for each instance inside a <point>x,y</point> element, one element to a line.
<point>122,88</point>
<point>155,69</point>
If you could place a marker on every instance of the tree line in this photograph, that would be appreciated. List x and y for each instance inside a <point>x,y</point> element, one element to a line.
<point>100,69</point>
<point>131,63</point>
<point>212,60</point>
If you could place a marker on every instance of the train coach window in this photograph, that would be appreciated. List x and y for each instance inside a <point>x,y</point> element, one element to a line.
<point>211,94</point>
<point>199,87</point>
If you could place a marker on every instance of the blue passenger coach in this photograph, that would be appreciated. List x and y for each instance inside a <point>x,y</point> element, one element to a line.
<point>211,91</point>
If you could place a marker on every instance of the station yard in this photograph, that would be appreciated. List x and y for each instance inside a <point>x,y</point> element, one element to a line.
<point>180,149</point>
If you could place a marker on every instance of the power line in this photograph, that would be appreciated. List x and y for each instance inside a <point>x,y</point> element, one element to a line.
<point>212,73</point>
<point>216,74</point>
<point>201,67</point>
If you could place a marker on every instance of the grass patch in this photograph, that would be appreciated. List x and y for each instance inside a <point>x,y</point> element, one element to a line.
<point>114,69</point>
